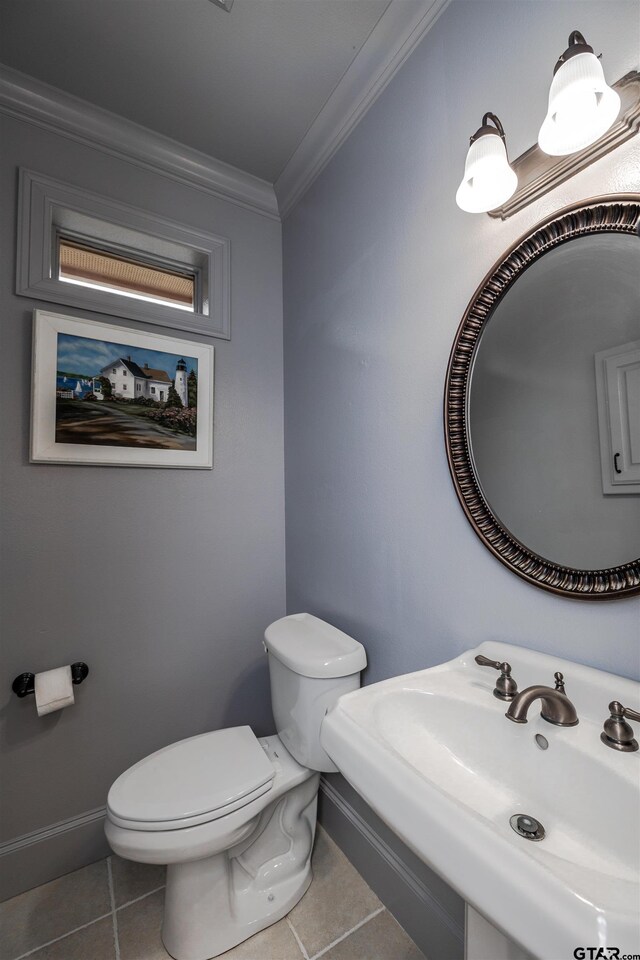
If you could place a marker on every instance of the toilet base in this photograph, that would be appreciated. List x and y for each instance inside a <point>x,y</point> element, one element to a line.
<point>215,903</point>
<point>204,929</point>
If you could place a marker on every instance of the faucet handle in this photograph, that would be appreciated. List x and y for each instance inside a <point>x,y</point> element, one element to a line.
<point>617,733</point>
<point>559,682</point>
<point>485,662</point>
<point>506,687</point>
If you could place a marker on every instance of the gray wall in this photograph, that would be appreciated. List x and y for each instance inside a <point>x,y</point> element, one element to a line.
<point>379,265</point>
<point>162,580</point>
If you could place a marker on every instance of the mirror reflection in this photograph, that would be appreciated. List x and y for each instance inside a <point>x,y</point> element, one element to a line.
<point>553,408</point>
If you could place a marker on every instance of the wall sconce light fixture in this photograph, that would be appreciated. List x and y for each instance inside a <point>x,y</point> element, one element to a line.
<point>488,179</point>
<point>582,106</point>
<point>585,120</point>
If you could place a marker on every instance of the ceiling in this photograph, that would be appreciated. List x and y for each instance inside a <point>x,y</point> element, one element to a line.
<point>244,87</point>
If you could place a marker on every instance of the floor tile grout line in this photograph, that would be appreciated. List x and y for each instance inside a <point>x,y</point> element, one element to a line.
<point>112,913</point>
<point>83,926</point>
<point>297,939</point>
<point>114,919</point>
<point>138,899</point>
<point>344,936</point>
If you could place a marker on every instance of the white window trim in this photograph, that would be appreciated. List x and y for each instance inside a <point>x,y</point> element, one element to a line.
<point>48,207</point>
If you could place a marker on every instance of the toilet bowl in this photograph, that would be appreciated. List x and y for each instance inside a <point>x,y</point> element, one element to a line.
<point>234,816</point>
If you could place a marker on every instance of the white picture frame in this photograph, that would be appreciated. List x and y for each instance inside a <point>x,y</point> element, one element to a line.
<point>84,416</point>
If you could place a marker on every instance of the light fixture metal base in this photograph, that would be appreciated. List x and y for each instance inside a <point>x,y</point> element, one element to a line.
<point>538,173</point>
<point>223,4</point>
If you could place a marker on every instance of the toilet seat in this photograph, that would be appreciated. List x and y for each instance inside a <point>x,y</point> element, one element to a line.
<point>192,782</point>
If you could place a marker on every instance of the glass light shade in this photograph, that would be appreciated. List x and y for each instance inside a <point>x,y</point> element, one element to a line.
<point>488,180</point>
<point>581,107</point>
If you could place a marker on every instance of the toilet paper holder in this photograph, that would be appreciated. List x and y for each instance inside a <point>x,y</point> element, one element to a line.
<point>25,682</point>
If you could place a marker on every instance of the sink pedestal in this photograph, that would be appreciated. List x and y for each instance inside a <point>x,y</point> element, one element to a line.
<point>483,941</point>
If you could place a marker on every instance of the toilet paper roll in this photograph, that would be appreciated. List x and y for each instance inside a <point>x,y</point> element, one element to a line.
<point>53,690</point>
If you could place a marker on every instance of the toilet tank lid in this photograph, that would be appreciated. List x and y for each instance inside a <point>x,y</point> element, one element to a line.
<point>313,648</point>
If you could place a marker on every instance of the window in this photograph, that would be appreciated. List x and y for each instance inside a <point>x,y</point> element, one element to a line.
<point>153,389</point>
<point>138,386</point>
<point>90,266</point>
<point>85,250</point>
<point>124,386</point>
<point>124,373</point>
<point>114,370</point>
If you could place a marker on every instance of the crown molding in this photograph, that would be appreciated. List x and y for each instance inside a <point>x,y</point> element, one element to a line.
<point>30,100</point>
<point>399,30</point>
<point>392,40</point>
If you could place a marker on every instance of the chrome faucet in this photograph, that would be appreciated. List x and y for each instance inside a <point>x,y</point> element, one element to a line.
<point>556,706</point>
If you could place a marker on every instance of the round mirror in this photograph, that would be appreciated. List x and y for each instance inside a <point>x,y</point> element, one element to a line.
<point>542,404</point>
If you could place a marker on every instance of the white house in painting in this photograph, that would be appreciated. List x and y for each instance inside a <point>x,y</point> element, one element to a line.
<point>130,381</point>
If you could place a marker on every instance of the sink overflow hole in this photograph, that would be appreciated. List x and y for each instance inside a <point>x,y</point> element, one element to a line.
<point>527,826</point>
<point>542,741</point>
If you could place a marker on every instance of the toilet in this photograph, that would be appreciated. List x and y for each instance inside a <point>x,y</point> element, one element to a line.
<point>234,816</point>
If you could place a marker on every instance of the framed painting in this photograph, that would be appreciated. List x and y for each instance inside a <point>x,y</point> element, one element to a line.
<point>105,394</point>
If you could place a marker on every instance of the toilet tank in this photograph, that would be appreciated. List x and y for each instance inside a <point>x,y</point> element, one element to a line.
<point>311,664</point>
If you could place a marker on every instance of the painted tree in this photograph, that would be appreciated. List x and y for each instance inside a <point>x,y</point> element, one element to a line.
<point>192,389</point>
<point>107,390</point>
<point>173,399</point>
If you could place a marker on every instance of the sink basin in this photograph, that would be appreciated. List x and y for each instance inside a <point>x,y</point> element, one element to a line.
<point>433,754</point>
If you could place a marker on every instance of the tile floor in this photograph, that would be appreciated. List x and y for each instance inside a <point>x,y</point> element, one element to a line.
<point>112,910</point>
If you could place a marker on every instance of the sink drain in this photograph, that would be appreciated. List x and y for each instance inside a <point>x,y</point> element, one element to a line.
<point>526,826</point>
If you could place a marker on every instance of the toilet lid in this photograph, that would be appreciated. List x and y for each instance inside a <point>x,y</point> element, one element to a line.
<point>203,777</point>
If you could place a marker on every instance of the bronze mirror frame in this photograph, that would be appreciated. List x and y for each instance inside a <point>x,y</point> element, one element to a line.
<point>609,214</point>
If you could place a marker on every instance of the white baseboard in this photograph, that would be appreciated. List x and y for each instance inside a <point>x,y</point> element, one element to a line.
<point>431,924</point>
<point>51,851</point>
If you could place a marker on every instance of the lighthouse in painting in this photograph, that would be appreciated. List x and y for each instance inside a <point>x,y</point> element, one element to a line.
<point>181,382</point>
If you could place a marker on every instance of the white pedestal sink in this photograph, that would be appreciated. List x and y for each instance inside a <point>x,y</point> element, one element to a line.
<point>434,755</point>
